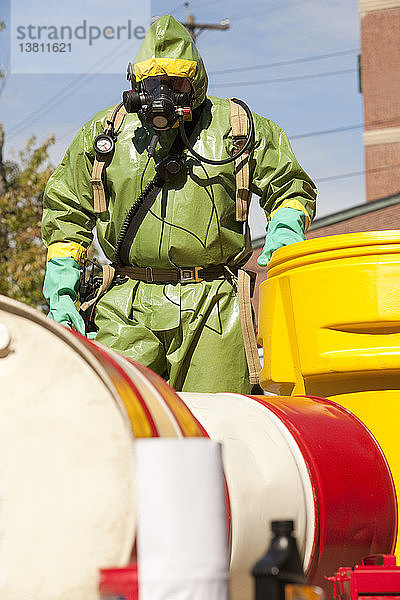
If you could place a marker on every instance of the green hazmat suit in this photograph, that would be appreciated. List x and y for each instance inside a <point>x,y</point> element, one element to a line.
<point>189,333</point>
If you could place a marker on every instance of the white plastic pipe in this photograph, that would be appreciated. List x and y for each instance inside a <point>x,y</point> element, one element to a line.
<point>182,533</point>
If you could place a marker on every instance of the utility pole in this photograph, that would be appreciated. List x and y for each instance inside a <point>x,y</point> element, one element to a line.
<point>195,29</point>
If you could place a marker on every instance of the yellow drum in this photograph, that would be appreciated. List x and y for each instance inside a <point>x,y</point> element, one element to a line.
<point>330,326</point>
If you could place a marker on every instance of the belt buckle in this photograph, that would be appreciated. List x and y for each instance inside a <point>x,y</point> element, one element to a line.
<point>190,275</point>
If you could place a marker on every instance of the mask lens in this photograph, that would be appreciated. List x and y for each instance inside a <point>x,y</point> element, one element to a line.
<point>150,84</point>
<point>177,84</point>
<point>181,84</point>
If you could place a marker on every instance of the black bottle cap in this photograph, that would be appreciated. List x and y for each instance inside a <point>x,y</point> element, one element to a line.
<point>282,527</point>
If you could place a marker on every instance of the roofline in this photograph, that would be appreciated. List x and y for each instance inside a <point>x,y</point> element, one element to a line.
<point>345,215</point>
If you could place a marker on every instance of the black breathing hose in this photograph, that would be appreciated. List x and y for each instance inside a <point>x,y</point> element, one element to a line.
<point>156,182</point>
<point>112,118</point>
<point>223,161</point>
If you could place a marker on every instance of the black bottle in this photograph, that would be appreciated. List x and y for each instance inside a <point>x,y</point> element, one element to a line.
<point>280,565</point>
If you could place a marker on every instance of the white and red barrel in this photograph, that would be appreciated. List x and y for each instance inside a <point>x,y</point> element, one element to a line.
<point>70,412</point>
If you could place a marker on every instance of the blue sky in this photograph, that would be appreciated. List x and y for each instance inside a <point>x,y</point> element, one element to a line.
<point>317,95</point>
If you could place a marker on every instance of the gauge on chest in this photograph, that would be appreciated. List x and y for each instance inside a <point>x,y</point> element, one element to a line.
<point>103,144</point>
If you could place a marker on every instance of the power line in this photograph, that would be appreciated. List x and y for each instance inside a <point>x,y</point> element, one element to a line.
<point>271,8</point>
<point>69,132</point>
<point>282,79</point>
<point>37,114</point>
<point>282,63</point>
<point>257,12</point>
<point>344,128</point>
<point>326,131</point>
<point>355,173</point>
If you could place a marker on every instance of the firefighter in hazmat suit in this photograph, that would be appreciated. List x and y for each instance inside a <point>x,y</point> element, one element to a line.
<point>173,305</point>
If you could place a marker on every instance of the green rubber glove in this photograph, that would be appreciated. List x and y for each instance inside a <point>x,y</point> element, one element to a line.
<point>286,227</point>
<point>60,290</point>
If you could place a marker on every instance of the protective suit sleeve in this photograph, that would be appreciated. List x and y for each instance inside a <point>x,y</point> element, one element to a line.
<point>60,290</point>
<point>286,227</point>
<point>277,177</point>
<point>68,198</point>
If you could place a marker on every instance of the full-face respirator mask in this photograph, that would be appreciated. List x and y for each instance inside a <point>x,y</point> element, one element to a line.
<point>159,100</point>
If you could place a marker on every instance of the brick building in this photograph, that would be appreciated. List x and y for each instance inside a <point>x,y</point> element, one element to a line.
<point>380,86</point>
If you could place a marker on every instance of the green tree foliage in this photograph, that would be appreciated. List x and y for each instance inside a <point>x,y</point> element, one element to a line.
<point>22,253</point>
<point>3,73</point>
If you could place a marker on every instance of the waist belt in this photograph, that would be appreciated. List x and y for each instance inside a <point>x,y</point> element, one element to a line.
<point>184,275</point>
<point>195,274</point>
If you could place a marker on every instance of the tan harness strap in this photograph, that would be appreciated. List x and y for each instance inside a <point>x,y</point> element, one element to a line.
<point>108,276</point>
<point>246,321</point>
<point>99,197</point>
<point>239,134</point>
